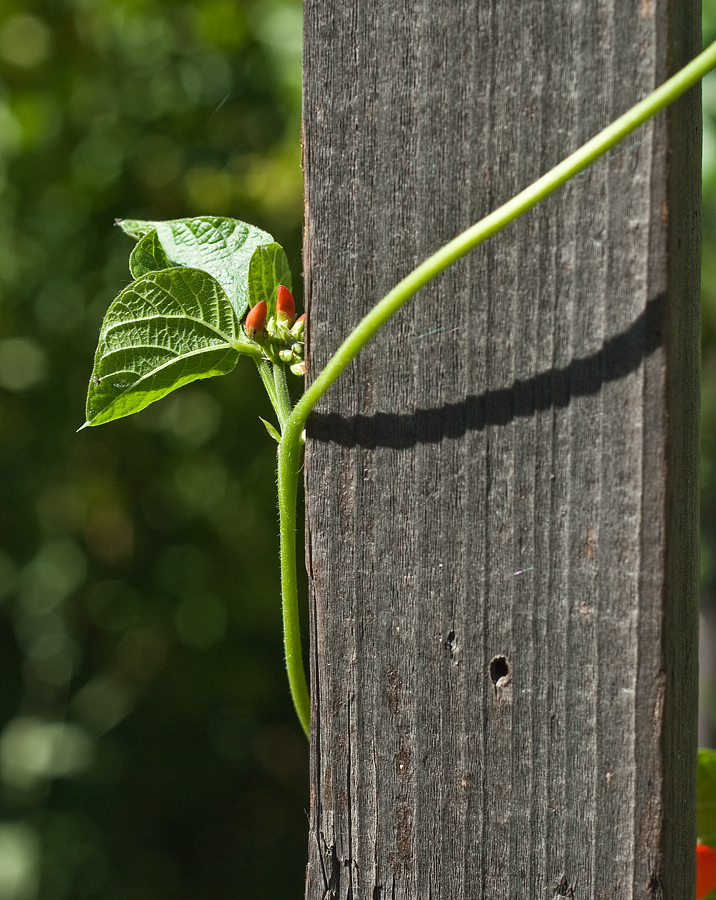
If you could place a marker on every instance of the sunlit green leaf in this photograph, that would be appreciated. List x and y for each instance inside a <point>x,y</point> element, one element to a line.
<point>268,269</point>
<point>222,247</point>
<point>135,228</point>
<point>166,329</point>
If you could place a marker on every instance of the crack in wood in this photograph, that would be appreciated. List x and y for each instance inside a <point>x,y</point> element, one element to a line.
<point>333,882</point>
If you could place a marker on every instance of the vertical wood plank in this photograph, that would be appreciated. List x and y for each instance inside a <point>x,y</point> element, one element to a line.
<point>501,491</point>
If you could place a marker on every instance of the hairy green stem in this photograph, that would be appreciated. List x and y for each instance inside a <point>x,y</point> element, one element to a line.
<point>289,465</point>
<point>289,450</point>
<point>273,376</point>
<point>266,373</point>
<point>283,399</point>
<point>287,494</point>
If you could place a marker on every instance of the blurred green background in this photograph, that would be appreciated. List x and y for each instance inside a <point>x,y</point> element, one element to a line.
<point>148,748</point>
<point>148,745</point>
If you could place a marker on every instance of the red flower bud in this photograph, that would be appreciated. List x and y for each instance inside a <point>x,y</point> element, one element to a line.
<point>705,870</point>
<point>301,318</point>
<point>285,305</point>
<point>256,318</point>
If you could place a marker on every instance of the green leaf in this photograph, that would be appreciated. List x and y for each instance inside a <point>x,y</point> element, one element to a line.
<point>148,256</point>
<point>166,329</point>
<point>222,247</point>
<point>268,269</point>
<point>706,797</point>
<point>135,228</point>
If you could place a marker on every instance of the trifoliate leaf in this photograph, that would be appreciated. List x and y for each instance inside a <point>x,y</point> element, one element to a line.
<point>164,330</point>
<point>222,247</point>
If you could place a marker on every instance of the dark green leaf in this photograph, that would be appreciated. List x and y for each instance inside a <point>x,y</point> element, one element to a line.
<point>166,329</point>
<point>268,269</point>
<point>222,247</point>
<point>148,256</point>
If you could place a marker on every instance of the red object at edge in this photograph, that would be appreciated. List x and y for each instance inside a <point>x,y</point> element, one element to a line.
<point>705,870</point>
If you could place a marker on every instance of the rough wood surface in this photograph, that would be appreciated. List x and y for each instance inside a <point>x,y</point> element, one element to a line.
<point>501,490</point>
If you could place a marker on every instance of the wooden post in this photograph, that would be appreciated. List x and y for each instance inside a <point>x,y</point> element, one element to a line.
<point>502,489</point>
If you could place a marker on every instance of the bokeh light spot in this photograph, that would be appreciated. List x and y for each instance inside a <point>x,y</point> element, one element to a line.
<point>104,701</point>
<point>19,862</point>
<point>22,364</point>
<point>24,41</point>
<point>10,132</point>
<point>191,415</point>
<point>33,750</point>
<point>58,568</point>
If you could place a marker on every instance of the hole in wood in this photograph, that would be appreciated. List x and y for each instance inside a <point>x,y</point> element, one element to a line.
<point>499,670</point>
<point>449,643</point>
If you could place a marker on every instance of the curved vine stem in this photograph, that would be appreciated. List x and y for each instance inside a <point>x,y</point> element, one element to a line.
<point>289,464</point>
<point>289,449</point>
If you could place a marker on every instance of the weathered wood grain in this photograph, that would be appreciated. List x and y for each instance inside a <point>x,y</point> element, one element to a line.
<point>501,490</point>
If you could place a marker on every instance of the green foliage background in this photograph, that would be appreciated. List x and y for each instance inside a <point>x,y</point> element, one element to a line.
<point>148,747</point>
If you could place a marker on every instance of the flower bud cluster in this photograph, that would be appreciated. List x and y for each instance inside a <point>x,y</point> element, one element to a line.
<point>280,336</point>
